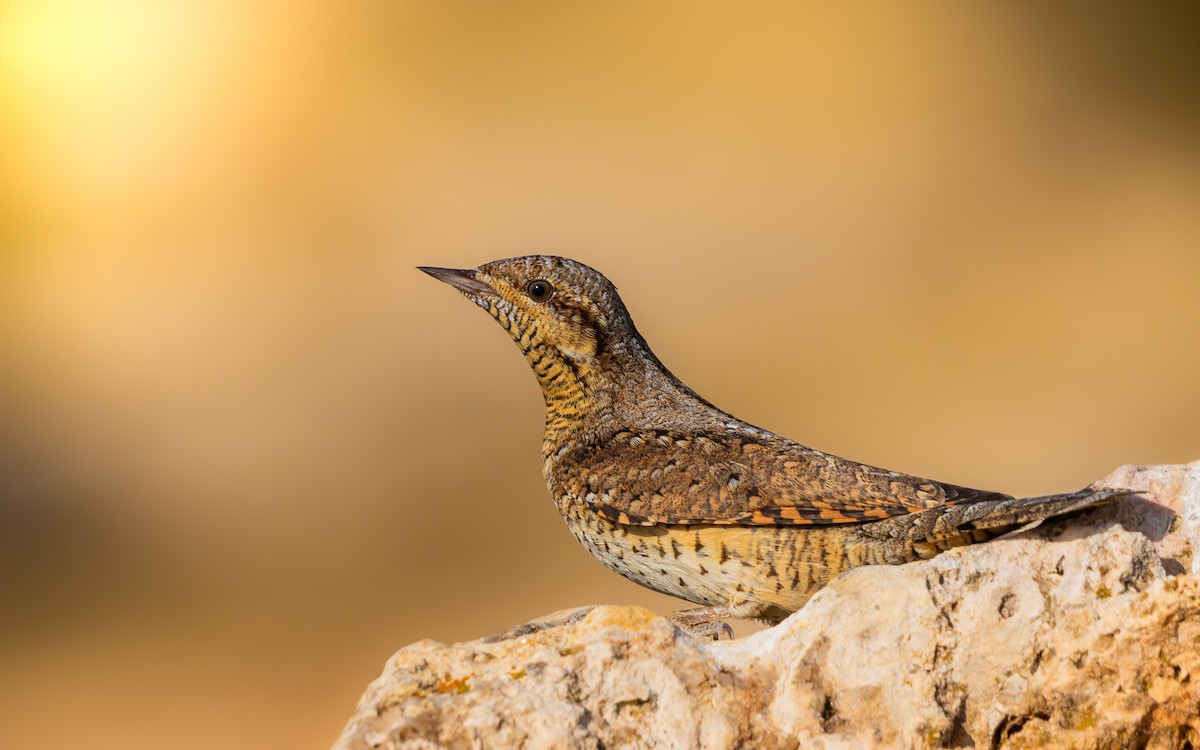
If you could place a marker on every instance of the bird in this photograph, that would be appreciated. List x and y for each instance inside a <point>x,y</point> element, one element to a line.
<point>677,495</point>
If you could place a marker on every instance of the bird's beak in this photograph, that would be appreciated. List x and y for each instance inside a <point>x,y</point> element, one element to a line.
<point>462,279</point>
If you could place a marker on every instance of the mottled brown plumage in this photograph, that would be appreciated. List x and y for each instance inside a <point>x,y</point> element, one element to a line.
<point>677,495</point>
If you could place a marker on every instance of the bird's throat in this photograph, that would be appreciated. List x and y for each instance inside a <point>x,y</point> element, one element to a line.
<point>571,389</point>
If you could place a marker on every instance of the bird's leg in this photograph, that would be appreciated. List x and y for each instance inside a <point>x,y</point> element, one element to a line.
<point>708,621</point>
<point>704,622</point>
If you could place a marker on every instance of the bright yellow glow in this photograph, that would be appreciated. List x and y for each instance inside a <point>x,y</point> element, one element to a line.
<point>101,91</point>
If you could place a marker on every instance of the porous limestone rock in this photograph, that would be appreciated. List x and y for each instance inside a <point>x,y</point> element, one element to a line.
<point>1084,633</point>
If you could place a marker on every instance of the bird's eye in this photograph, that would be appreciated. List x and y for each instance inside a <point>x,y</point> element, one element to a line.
<point>539,291</point>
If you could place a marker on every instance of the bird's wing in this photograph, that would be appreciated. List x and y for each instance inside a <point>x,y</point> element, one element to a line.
<point>660,477</point>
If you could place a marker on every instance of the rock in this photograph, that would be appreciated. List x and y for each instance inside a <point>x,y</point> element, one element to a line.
<point>1082,633</point>
<point>1168,514</point>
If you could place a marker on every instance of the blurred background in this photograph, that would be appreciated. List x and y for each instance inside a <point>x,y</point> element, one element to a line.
<point>247,451</point>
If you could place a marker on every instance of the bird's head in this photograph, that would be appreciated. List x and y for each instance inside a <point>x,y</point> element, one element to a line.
<point>558,311</point>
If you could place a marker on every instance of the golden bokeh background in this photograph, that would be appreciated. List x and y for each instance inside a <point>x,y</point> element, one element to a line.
<point>247,451</point>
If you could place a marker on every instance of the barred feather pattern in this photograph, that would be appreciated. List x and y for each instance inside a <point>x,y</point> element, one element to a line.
<point>677,495</point>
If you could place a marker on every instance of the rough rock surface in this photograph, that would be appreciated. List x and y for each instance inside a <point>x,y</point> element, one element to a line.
<point>1083,633</point>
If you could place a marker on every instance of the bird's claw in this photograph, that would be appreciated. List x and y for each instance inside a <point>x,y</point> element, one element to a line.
<point>701,624</point>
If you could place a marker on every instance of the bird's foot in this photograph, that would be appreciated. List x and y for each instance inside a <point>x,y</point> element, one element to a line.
<point>704,622</point>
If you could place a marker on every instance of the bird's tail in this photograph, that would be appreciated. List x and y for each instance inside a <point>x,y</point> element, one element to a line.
<point>955,525</point>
